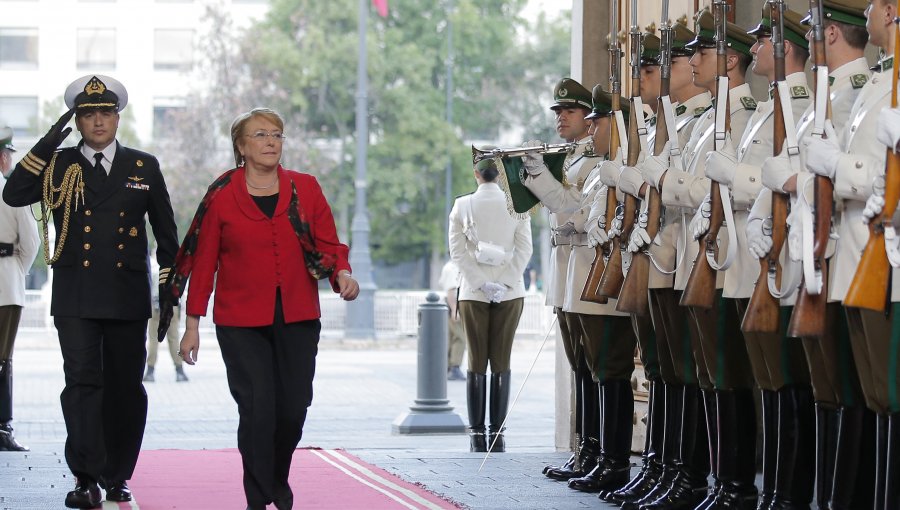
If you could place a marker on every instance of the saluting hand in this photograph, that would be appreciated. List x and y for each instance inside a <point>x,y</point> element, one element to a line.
<point>54,137</point>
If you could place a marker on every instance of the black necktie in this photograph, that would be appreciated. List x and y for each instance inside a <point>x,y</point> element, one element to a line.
<point>98,167</point>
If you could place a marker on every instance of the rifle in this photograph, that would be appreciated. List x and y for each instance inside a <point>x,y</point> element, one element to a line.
<point>590,292</point>
<point>869,288</point>
<point>808,318</point>
<point>700,290</point>
<point>763,310</point>
<point>634,296</point>
<point>612,279</point>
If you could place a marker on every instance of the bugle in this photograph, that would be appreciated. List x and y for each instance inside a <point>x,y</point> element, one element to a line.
<point>516,152</point>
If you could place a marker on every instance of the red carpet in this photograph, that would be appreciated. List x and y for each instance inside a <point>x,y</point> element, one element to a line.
<point>320,479</point>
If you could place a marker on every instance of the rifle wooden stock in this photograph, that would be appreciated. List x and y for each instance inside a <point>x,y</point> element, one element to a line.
<point>589,292</point>
<point>808,317</point>
<point>869,288</point>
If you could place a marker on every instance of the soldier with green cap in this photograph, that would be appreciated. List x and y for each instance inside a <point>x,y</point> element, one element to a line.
<point>601,340</point>
<point>844,435</point>
<point>491,297</point>
<point>778,364</point>
<point>18,247</point>
<point>854,157</point>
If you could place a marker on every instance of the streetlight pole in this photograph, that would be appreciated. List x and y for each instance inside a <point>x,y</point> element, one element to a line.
<point>448,173</point>
<point>360,319</point>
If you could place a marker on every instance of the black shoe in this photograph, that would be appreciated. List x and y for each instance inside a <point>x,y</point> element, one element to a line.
<point>496,443</point>
<point>455,374</point>
<point>477,441</point>
<point>8,442</point>
<point>148,377</point>
<point>180,375</point>
<point>117,491</point>
<point>85,495</point>
<point>608,475</point>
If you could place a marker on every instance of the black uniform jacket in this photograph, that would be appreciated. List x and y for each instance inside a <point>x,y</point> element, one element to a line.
<point>103,271</point>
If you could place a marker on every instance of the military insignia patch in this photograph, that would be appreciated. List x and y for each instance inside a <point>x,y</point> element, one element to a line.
<point>680,109</point>
<point>831,80</point>
<point>139,163</point>
<point>133,232</point>
<point>858,80</point>
<point>799,92</point>
<point>699,111</point>
<point>136,185</point>
<point>135,178</point>
<point>563,92</point>
<point>748,103</point>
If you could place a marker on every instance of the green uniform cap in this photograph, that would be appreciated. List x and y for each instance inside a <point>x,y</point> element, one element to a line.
<point>851,12</point>
<point>602,104</point>
<point>683,37</point>
<point>6,136</point>
<point>568,93</point>
<point>735,37</point>
<point>794,30</point>
<point>650,49</point>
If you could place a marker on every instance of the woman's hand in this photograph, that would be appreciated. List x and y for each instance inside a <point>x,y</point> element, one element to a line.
<point>190,342</point>
<point>348,285</point>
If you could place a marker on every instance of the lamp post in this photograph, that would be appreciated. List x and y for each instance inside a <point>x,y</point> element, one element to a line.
<point>360,319</point>
<point>448,173</point>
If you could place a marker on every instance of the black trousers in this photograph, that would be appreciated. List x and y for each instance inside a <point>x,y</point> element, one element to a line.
<point>104,403</point>
<point>270,373</point>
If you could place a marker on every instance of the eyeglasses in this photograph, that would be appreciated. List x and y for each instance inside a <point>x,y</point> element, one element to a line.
<point>262,135</point>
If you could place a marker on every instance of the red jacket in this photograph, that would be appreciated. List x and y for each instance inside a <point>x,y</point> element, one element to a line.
<point>249,255</point>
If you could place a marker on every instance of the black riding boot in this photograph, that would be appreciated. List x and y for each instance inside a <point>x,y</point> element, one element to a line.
<point>8,441</point>
<point>853,477</point>
<point>613,468</point>
<point>689,486</point>
<point>826,446</point>
<point>769,401</point>
<point>711,415</point>
<point>499,406</point>
<point>794,477</point>
<point>585,457</point>
<point>674,406</point>
<point>892,472</point>
<point>651,470</point>
<point>475,400</point>
<point>564,472</point>
<point>737,450</point>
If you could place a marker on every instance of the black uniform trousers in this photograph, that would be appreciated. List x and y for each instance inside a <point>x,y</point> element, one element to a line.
<point>270,373</point>
<point>104,403</point>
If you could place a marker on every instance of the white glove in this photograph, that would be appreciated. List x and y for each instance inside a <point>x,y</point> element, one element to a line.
<point>534,163</point>
<point>617,223</point>
<point>630,181</point>
<point>492,290</point>
<point>700,222</point>
<point>794,234</point>
<point>721,164</point>
<point>596,233</point>
<point>776,171</point>
<point>874,206</point>
<point>639,238</point>
<point>499,292</point>
<point>655,166</point>
<point>609,172</point>
<point>758,240</point>
<point>888,128</point>
<point>822,154</point>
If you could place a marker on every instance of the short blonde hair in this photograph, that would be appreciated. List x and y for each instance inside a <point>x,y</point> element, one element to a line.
<point>237,127</point>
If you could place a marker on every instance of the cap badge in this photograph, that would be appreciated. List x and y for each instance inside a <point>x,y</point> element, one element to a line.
<point>94,86</point>
<point>563,92</point>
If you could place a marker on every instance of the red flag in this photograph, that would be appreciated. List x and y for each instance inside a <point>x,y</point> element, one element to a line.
<point>381,6</point>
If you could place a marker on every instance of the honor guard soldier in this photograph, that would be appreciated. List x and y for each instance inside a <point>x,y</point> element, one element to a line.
<point>99,193</point>
<point>844,428</point>
<point>18,248</point>
<point>855,159</point>
<point>606,339</point>
<point>778,365</point>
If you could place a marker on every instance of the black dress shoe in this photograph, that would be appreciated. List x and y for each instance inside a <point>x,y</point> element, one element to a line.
<point>8,442</point>
<point>117,491</point>
<point>85,495</point>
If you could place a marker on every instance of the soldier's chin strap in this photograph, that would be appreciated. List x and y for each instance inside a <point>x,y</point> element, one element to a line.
<point>516,398</point>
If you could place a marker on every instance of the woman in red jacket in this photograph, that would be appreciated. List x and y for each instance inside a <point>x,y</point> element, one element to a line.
<point>244,242</point>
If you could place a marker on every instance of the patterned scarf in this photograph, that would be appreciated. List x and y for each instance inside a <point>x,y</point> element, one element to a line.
<point>320,265</point>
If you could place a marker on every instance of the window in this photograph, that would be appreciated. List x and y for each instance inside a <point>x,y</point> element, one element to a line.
<point>96,48</point>
<point>18,48</point>
<point>19,113</point>
<point>173,49</point>
<point>165,118</point>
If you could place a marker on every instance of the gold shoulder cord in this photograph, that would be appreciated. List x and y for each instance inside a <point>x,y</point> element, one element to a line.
<point>72,184</point>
